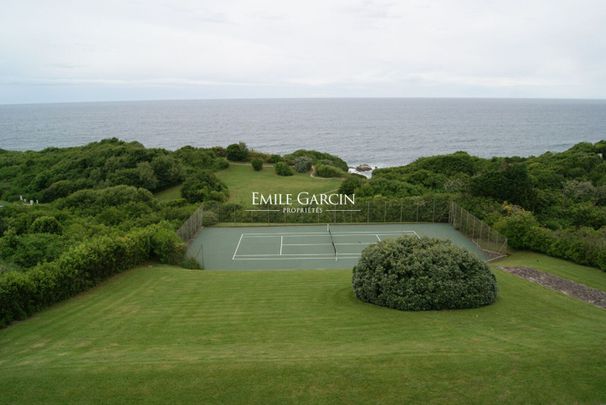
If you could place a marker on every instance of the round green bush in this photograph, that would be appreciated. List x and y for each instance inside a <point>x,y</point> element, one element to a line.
<point>257,164</point>
<point>413,274</point>
<point>282,169</point>
<point>46,224</point>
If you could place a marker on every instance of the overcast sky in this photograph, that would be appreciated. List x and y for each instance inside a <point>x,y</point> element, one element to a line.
<point>53,51</point>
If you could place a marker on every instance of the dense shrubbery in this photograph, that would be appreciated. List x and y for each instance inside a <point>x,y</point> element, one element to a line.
<point>237,152</point>
<point>82,267</point>
<point>317,158</point>
<point>351,183</point>
<point>324,170</point>
<point>257,164</point>
<point>283,169</point>
<point>564,192</point>
<point>582,245</point>
<point>58,172</point>
<point>422,274</point>
<point>204,186</point>
<point>302,164</point>
<point>46,224</point>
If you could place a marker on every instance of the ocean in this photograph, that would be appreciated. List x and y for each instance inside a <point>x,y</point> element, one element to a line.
<point>381,132</point>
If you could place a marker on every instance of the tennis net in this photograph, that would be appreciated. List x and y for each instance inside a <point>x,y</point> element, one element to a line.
<point>332,240</point>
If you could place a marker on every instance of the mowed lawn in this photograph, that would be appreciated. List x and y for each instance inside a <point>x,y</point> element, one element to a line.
<point>159,334</point>
<point>242,180</point>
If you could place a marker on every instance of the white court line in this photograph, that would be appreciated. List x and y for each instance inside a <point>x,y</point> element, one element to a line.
<point>237,246</point>
<point>297,258</point>
<point>310,234</point>
<point>308,256</point>
<point>329,244</point>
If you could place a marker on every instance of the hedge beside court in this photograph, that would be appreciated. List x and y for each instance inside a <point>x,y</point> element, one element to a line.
<point>413,274</point>
<point>82,267</point>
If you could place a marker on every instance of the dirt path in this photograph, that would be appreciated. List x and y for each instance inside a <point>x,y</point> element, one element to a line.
<point>571,288</point>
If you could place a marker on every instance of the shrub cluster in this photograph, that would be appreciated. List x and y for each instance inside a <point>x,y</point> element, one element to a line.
<point>413,274</point>
<point>581,245</point>
<point>302,164</point>
<point>283,169</point>
<point>237,152</point>
<point>204,186</point>
<point>257,164</point>
<point>325,170</point>
<point>82,267</point>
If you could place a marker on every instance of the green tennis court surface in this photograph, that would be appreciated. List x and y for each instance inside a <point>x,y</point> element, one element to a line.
<point>304,246</point>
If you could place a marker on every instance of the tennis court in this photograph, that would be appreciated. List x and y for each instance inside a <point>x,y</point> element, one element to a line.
<point>304,246</point>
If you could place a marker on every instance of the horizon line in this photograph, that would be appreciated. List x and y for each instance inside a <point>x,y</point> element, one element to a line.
<point>306,98</point>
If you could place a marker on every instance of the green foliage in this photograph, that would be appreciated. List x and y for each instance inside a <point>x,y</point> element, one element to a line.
<point>318,157</point>
<point>82,267</point>
<point>516,226</point>
<point>204,186</point>
<point>167,170</point>
<point>257,164</point>
<point>302,164</point>
<point>445,165</point>
<point>57,172</point>
<point>510,182</point>
<point>350,184</point>
<point>26,251</point>
<point>274,159</point>
<point>237,152</point>
<point>283,169</point>
<point>46,224</point>
<point>413,274</point>
<point>92,201</point>
<point>324,170</point>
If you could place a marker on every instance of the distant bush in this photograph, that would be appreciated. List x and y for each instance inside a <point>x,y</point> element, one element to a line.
<point>328,171</point>
<point>318,158</point>
<point>282,169</point>
<point>422,274</point>
<point>221,164</point>
<point>94,200</point>
<point>46,224</point>
<point>63,188</point>
<point>257,164</point>
<point>274,158</point>
<point>350,184</point>
<point>204,186</point>
<point>237,152</point>
<point>302,164</point>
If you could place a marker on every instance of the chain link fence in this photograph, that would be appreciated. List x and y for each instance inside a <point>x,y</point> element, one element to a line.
<point>486,238</point>
<point>376,210</point>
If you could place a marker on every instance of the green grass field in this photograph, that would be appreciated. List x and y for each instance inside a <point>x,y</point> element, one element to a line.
<point>166,335</point>
<point>589,276</point>
<point>242,180</point>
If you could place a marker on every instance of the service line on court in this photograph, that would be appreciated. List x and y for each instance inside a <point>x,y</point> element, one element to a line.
<point>310,256</point>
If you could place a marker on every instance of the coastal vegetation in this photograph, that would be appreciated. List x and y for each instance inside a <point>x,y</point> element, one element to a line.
<point>553,203</point>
